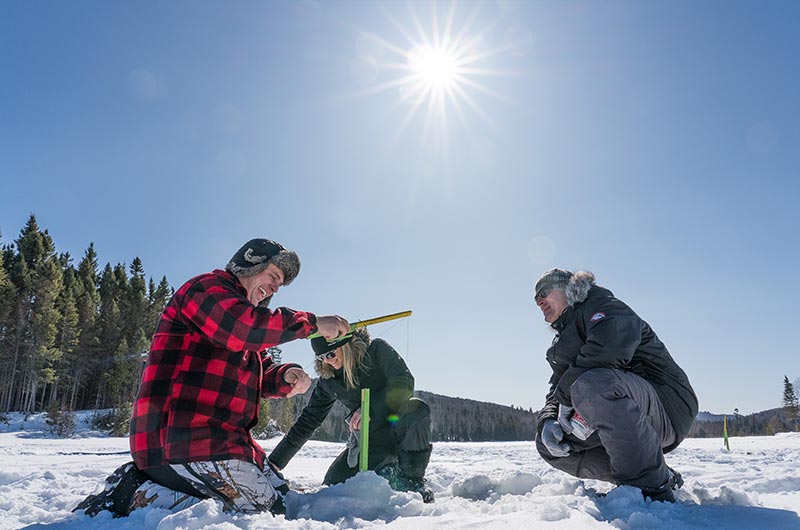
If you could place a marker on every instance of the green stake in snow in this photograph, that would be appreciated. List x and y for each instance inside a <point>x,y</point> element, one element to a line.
<point>725,432</point>
<point>363,455</point>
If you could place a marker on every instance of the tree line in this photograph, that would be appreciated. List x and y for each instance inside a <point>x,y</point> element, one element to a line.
<point>769,422</point>
<point>452,419</point>
<point>72,335</point>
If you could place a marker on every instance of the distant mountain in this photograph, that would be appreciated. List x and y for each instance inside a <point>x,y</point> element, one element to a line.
<point>707,416</point>
<point>467,420</point>
<point>767,422</point>
<point>452,419</point>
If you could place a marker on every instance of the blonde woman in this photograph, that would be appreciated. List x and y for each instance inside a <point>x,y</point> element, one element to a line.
<point>399,427</point>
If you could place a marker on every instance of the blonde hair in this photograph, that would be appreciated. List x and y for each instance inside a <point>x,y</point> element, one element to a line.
<point>353,356</point>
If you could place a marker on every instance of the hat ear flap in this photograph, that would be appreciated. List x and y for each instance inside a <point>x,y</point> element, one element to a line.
<point>289,263</point>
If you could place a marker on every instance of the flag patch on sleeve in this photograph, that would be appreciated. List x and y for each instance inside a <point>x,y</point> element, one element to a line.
<point>597,317</point>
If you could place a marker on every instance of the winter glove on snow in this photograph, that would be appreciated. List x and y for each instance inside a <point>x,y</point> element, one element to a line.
<point>564,413</point>
<point>551,438</point>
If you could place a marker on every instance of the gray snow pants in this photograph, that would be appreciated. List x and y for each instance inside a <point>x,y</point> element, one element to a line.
<point>631,426</point>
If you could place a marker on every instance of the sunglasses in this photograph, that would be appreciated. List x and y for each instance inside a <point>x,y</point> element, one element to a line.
<point>327,355</point>
<point>542,293</point>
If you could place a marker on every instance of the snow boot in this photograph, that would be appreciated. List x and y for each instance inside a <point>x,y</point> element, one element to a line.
<point>278,482</point>
<point>415,485</point>
<point>665,493</point>
<point>118,493</point>
<point>411,467</point>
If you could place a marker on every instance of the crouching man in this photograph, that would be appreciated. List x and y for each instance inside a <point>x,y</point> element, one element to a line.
<point>617,401</point>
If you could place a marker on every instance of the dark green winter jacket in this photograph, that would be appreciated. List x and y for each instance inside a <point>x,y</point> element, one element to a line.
<point>383,371</point>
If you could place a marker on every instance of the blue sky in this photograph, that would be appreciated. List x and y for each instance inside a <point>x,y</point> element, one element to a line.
<point>654,143</point>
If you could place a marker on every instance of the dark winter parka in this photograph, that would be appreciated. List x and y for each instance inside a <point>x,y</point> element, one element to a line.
<point>204,377</point>
<point>383,371</point>
<point>599,331</point>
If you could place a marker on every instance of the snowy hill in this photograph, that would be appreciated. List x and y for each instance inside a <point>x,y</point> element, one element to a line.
<point>706,416</point>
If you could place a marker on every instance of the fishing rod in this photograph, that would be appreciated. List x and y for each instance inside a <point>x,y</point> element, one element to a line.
<point>370,321</point>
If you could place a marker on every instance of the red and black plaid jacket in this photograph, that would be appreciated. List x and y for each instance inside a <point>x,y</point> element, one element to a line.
<point>204,376</point>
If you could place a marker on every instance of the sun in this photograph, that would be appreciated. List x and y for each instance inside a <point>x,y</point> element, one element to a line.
<point>436,67</point>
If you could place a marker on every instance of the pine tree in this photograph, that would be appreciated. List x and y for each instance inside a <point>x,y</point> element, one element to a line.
<point>86,371</point>
<point>8,301</point>
<point>157,299</point>
<point>790,403</point>
<point>67,339</point>
<point>38,278</point>
<point>7,296</point>
<point>122,377</point>
<point>109,331</point>
<point>136,308</point>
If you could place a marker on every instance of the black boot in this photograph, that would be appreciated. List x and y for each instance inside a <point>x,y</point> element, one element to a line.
<point>412,466</point>
<point>278,482</point>
<point>665,493</point>
<point>118,494</point>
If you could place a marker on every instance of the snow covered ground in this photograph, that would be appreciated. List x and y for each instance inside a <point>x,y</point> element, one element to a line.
<point>755,486</point>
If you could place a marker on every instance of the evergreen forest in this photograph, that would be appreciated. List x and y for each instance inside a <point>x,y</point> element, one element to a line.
<point>72,334</point>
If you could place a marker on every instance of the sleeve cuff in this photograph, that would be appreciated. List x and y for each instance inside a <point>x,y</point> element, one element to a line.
<point>282,388</point>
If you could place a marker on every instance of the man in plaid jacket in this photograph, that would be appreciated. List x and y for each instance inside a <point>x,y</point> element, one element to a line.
<point>205,375</point>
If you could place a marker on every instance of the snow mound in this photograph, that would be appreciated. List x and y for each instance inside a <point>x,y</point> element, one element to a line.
<point>481,487</point>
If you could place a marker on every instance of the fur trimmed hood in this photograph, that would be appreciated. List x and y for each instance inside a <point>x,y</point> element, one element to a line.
<point>578,286</point>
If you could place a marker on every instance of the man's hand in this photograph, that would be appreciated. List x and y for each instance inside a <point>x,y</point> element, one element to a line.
<point>332,326</point>
<point>355,420</point>
<point>298,379</point>
<point>551,439</point>
<point>564,413</point>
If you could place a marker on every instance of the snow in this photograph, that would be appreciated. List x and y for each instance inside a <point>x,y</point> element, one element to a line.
<point>496,486</point>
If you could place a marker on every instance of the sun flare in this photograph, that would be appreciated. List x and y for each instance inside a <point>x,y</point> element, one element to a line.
<point>436,68</point>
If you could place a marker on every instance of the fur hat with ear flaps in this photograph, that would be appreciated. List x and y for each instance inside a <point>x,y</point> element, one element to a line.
<point>257,254</point>
<point>576,285</point>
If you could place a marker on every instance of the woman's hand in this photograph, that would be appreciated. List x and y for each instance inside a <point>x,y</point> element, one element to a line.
<point>298,379</point>
<point>355,420</point>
